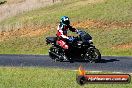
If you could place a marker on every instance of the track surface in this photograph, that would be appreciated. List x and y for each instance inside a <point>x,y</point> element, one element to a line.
<point>109,63</point>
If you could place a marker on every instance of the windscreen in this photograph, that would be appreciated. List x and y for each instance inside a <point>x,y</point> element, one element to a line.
<point>85,37</point>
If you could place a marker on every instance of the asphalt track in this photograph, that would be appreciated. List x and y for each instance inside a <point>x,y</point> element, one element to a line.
<point>108,63</point>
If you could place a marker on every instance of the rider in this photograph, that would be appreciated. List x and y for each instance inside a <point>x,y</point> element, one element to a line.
<point>62,29</point>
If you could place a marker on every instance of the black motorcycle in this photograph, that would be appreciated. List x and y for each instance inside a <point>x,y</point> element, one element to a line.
<point>81,48</point>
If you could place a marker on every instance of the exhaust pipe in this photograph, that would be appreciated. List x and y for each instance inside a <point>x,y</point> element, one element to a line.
<point>60,58</point>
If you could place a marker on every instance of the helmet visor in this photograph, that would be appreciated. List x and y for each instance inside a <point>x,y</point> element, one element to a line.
<point>67,22</point>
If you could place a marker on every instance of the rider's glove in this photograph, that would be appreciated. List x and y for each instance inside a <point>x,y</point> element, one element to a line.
<point>71,39</point>
<point>79,32</point>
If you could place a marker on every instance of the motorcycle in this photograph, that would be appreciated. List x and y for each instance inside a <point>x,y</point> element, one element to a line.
<point>81,48</point>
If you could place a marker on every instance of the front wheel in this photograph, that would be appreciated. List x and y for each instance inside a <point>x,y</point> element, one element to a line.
<point>93,55</point>
<point>97,55</point>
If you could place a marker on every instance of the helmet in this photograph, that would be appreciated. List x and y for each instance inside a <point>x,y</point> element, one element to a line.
<point>65,20</point>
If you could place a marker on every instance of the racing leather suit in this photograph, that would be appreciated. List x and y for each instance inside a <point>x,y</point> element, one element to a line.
<point>62,34</point>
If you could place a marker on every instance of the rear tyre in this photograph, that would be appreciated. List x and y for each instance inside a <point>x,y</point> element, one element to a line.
<point>52,56</point>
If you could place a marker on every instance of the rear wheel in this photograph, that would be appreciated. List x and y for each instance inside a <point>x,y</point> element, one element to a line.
<point>52,56</point>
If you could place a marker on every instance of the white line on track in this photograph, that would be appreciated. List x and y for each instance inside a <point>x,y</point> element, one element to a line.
<point>104,71</point>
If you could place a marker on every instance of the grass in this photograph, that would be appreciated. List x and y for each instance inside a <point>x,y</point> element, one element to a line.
<point>35,77</point>
<point>110,10</point>
<point>104,40</point>
<point>13,7</point>
<point>77,10</point>
<point>34,45</point>
<point>2,0</point>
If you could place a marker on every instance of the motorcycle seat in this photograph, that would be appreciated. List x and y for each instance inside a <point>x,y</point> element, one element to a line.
<point>51,39</point>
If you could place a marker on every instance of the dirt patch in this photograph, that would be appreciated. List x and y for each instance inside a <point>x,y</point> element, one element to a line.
<point>102,24</point>
<point>123,46</point>
<point>24,32</point>
<point>36,31</point>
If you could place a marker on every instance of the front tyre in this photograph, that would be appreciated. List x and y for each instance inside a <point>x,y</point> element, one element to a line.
<point>97,55</point>
<point>93,55</point>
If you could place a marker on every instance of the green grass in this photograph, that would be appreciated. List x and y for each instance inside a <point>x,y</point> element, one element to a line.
<point>35,77</point>
<point>26,45</point>
<point>2,0</point>
<point>77,10</point>
<point>104,40</point>
<point>110,10</point>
